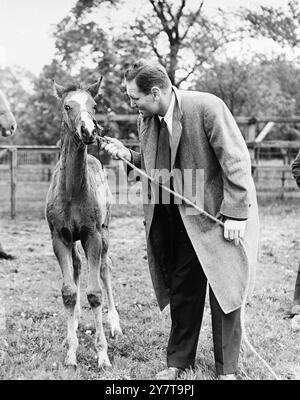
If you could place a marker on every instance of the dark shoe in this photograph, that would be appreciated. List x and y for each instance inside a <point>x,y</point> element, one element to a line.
<point>168,374</point>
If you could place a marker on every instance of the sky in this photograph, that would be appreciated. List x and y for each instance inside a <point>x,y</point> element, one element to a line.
<point>26,26</point>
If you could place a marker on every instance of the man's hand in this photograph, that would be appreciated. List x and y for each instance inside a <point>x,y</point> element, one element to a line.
<point>234,230</point>
<point>115,148</point>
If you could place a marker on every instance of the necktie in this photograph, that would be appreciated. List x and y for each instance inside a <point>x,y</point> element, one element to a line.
<point>163,156</point>
<point>163,162</point>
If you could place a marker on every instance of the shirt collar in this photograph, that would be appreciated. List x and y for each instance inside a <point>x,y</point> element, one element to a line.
<point>169,114</point>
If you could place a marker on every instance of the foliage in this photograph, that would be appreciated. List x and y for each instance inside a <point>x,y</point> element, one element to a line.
<point>177,34</point>
<point>44,107</point>
<point>283,26</point>
<point>259,87</point>
<point>180,35</point>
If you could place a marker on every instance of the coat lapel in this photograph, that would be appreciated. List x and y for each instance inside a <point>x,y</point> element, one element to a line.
<point>148,136</point>
<point>176,134</point>
<point>176,127</point>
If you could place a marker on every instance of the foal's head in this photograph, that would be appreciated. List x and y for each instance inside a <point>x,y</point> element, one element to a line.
<point>8,123</point>
<point>79,108</point>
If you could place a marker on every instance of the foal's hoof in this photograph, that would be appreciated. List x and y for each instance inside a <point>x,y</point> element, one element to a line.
<point>116,331</point>
<point>114,322</point>
<point>103,361</point>
<point>71,362</point>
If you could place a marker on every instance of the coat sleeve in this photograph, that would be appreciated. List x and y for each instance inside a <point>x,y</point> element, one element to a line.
<point>232,153</point>
<point>296,169</point>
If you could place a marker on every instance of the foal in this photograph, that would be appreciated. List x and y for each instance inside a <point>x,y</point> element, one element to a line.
<point>8,127</point>
<point>78,208</point>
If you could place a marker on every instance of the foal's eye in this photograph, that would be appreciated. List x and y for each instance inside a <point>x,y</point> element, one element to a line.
<point>67,108</point>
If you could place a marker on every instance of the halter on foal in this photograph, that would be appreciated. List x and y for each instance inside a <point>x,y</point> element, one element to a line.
<point>8,127</point>
<point>78,208</point>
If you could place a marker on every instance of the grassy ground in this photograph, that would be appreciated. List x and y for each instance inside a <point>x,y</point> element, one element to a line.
<point>33,324</point>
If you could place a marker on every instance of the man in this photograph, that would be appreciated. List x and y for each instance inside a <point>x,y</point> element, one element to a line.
<point>296,301</point>
<point>184,131</point>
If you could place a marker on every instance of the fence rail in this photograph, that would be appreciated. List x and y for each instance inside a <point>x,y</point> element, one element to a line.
<point>285,151</point>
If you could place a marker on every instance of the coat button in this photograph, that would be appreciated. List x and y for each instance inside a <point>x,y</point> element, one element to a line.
<point>149,196</point>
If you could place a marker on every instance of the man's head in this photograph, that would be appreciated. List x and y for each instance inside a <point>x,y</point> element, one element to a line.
<point>148,87</point>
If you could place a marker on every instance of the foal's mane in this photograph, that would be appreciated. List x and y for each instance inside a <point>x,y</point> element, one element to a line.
<point>72,88</point>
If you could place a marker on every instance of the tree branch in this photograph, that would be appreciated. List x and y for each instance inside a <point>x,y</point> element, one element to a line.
<point>180,10</point>
<point>188,74</point>
<point>194,18</point>
<point>161,16</point>
<point>152,42</point>
<point>162,4</point>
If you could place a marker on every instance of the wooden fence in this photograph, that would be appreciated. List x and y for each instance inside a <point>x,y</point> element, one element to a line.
<point>253,131</point>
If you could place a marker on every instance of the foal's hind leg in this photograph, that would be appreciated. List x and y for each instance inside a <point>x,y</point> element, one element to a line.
<point>69,296</point>
<point>112,315</point>
<point>93,250</point>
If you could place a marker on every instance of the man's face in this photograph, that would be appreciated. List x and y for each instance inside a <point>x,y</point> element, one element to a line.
<point>146,103</point>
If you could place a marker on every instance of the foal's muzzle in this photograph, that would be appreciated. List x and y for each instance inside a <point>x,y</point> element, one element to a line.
<point>89,136</point>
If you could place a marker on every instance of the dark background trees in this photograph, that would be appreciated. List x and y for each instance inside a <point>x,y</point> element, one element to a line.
<point>95,38</point>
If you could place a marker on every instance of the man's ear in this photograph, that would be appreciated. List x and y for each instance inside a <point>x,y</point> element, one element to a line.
<point>94,89</point>
<point>156,92</point>
<point>58,90</point>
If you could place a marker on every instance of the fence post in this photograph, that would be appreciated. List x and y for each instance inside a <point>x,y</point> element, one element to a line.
<point>13,181</point>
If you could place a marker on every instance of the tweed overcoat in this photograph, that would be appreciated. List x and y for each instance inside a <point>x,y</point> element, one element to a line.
<point>207,141</point>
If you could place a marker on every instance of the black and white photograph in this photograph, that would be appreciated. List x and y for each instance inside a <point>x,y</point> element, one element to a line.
<point>150,193</point>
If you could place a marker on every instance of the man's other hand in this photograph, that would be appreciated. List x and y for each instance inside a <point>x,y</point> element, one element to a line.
<point>234,230</point>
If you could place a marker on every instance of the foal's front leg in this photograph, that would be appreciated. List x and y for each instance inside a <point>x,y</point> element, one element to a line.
<point>112,315</point>
<point>92,248</point>
<point>76,274</point>
<point>69,295</point>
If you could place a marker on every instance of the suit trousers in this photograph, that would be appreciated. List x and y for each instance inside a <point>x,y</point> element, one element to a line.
<point>186,285</point>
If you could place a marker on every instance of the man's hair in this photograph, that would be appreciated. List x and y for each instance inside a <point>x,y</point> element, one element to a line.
<point>147,75</point>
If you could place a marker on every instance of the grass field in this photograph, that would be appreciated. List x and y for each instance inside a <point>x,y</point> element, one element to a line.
<point>32,318</point>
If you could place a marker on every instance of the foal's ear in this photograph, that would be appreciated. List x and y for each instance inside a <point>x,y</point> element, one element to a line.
<point>94,89</point>
<point>58,90</point>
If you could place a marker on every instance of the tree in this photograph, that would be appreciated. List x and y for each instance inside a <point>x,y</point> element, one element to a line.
<point>232,80</point>
<point>281,25</point>
<point>43,116</point>
<point>176,33</point>
<point>250,88</point>
<point>258,88</point>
